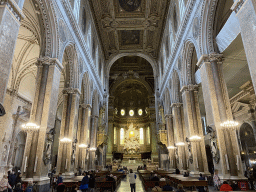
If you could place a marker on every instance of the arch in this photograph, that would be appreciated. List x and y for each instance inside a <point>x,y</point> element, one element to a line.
<point>50,44</point>
<point>206,40</point>
<point>71,68</point>
<point>189,68</point>
<point>114,58</point>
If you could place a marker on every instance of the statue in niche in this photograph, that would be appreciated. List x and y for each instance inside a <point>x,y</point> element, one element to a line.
<point>73,157</point>
<point>48,146</point>
<point>4,156</point>
<point>190,156</point>
<point>214,144</point>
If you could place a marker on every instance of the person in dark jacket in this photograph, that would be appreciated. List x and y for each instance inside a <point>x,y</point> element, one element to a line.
<point>60,179</point>
<point>201,178</point>
<point>18,188</point>
<point>177,171</point>
<point>91,182</point>
<point>167,187</point>
<point>85,182</point>
<point>12,179</point>
<point>155,178</point>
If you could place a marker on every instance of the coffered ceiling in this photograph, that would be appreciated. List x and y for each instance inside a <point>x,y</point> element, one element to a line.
<point>130,25</point>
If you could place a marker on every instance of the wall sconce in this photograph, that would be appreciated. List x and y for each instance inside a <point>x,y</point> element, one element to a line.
<point>84,146</point>
<point>65,140</point>
<point>93,149</point>
<point>180,144</point>
<point>229,124</point>
<point>195,138</point>
<point>30,127</point>
<point>171,147</point>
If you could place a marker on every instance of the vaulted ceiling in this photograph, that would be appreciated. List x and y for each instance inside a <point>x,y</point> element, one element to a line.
<point>130,25</point>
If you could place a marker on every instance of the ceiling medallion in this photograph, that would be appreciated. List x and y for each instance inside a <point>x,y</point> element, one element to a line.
<point>130,5</point>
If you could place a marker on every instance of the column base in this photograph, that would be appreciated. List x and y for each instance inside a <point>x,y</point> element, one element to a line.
<point>68,175</point>
<point>42,184</point>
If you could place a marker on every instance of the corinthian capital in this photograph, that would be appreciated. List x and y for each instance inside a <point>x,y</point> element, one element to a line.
<point>214,57</point>
<point>49,61</point>
<point>189,88</point>
<point>71,91</point>
<point>176,105</point>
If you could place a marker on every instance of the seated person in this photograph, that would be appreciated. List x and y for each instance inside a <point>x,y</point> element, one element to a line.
<point>201,178</point>
<point>226,187</point>
<point>157,188</point>
<point>180,188</point>
<point>167,187</point>
<point>162,179</point>
<point>155,178</point>
<point>61,188</point>
<point>186,174</point>
<point>177,171</point>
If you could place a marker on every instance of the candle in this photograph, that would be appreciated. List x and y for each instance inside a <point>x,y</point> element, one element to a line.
<point>25,165</point>
<point>35,164</point>
<point>66,166</point>
<point>226,156</point>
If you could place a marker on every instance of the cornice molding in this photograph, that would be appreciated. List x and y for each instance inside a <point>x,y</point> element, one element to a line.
<point>14,8</point>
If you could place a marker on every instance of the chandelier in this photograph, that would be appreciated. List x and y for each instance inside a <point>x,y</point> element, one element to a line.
<point>30,127</point>
<point>65,140</point>
<point>229,124</point>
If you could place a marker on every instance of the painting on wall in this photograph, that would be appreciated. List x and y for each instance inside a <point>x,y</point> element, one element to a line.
<point>130,5</point>
<point>130,37</point>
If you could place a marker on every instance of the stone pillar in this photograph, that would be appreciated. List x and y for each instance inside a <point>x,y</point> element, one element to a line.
<point>246,14</point>
<point>10,17</point>
<point>110,141</point>
<point>197,155</point>
<point>170,140</point>
<point>218,110</point>
<point>178,131</point>
<point>83,135</point>
<point>154,154</point>
<point>68,123</point>
<point>93,145</point>
<point>43,114</point>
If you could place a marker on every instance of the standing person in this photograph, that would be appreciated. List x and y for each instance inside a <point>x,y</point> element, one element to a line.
<point>132,180</point>
<point>4,184</point>
<point>216,180</point>
<point>18,188</point>
<point>12,179</point>
<point>85,182</point>
<point>29,187</point>
<point>60,179</point>
<point>226,187</point>
<point>201,178</point>
<point>91,182</point>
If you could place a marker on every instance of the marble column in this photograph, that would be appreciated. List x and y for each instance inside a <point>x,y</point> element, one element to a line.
<point>10,17</point>
<point>110,146</point>
<point>218,110</point>
<point>43,114</point>
<point>178,132</point>
<point>93,145</point>
<point>69,115</point>
<point>246,14</point>
<point>83,134</point>
<point>197,160</point>
<point>154,153</point>
<point>170,140</point>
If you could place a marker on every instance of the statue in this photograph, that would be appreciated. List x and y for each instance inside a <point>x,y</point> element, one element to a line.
<point>48,146</point>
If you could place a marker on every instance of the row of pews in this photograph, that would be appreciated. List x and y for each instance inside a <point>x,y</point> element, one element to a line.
<point>176,179</point>
<point>100,181</point>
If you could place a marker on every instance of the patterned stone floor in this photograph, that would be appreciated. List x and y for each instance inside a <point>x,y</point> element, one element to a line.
<point>125,185</point>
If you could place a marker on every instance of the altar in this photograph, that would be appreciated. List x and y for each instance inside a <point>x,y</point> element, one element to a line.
<point>132,156</point>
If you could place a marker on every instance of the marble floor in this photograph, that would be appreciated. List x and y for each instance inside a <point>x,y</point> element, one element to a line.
<point>125,185</point>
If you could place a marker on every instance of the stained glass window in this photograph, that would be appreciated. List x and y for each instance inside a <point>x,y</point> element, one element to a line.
<point>115,136</point>
<point>148,135</point>
<point>131,113</point>
<point>122,136</point>
<point>141,136</point>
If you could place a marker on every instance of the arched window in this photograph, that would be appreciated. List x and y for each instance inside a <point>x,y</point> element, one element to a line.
<point>131,113</point>
<point>115,136</point>
<point>122,136</point>
<point>140,112</point>
<point>122,112</point>
<point>148,135</point>
<point>141,136</point>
